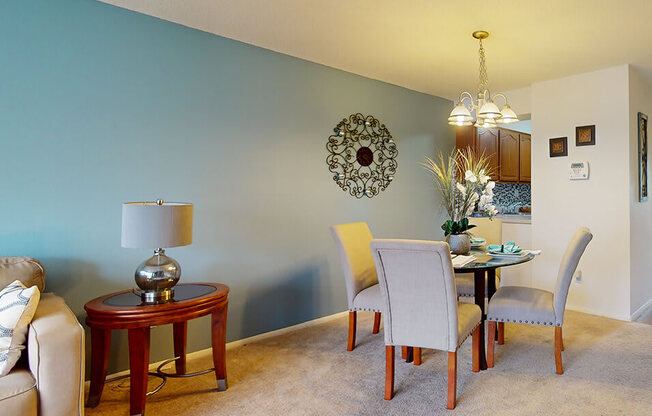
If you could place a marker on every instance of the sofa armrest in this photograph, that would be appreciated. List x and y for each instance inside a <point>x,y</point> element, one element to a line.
<point>55,349</point>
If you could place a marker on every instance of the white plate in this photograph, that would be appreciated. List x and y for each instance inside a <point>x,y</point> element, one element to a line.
<point>523,253</point>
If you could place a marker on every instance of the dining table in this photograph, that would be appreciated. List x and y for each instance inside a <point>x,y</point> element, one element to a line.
<point>484,270</point>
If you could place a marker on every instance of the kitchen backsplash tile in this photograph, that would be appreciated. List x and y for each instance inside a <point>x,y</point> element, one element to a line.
<point>508,197</point>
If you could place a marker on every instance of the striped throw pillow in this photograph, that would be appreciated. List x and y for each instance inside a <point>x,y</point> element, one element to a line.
<point>17,307</point>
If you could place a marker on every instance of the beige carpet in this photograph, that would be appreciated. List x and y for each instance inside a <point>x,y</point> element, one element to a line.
<point>608,371</point>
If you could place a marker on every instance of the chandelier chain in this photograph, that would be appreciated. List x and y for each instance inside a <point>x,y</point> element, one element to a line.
<point>484,79</point>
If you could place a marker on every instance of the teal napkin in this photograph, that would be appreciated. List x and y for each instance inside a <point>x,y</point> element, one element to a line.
<point>477,240</point>
<point>508,248</point>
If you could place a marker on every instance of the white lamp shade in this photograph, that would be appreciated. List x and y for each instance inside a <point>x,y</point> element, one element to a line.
<point>149,225</point>
<point>507,115</point>
<point>485,123</point>
<point>489,110</point>
<point>460,114</point>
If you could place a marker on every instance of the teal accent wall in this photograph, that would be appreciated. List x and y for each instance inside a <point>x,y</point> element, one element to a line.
<point>100,105</point>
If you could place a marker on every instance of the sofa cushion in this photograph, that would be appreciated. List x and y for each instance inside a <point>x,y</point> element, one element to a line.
<point>55,349</point>
<point>18,394</point>
<point>17,307</point>
<point>28,270</point>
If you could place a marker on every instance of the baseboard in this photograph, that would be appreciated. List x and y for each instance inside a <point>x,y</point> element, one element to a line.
<point>640,311</point>
<point>590,311</point>
<point>234,344</point>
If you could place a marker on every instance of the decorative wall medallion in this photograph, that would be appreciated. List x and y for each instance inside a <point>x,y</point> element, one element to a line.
<point>362,156</point>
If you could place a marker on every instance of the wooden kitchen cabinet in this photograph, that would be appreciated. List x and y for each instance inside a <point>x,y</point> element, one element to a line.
<point>508,150</point>
<point>509,155</point>
<point>465,137</point>
<point>487,142</point>
<point>525,141</point>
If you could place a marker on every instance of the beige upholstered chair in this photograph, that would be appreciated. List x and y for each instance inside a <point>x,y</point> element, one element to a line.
<point>48,380</point>
<point>362,288</point>
<point>420,305</point>
<point>525,305</point>
<point>492,231</point>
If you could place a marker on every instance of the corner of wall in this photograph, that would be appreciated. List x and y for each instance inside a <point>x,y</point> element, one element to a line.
<point>640,213</point>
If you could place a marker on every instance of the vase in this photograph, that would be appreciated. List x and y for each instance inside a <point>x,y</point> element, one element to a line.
<point>459,243</point>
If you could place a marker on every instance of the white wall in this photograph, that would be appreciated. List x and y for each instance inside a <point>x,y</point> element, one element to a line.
<point>640,99</point>
<point>560,206</point>
<point>519,99</point>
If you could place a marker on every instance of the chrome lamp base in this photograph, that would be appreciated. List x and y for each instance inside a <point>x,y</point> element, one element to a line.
<point>153,296</point>
<point>156,277</point>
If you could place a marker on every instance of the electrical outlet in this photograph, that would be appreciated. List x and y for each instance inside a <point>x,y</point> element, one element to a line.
<point>578,276</point>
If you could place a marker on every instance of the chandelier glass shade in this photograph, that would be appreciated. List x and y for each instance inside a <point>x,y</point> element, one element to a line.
<point>481,111</point>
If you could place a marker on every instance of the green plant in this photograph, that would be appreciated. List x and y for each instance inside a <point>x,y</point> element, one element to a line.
<point>456,227</point>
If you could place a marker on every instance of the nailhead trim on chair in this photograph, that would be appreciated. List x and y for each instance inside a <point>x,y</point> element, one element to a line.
<point>521,321</point>
<point>365,310</point>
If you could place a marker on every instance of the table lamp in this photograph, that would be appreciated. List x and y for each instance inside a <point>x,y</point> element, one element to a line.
<point>157,225</point>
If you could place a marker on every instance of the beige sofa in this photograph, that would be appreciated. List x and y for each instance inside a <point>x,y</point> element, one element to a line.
<point>49,377</point>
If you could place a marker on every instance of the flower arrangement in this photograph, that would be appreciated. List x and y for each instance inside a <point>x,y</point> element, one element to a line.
<point>464,182</point>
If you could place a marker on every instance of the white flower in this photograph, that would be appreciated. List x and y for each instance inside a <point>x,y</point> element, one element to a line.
<point>483,178</point>
<point>490,186</point>
<point>491,210</point>
<point>462,189</point>
<point>470,177</point>
<point>487,196</point>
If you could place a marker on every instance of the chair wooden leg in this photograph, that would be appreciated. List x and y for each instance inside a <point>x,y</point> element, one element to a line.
<point>490,343</point>
<point>376,322</point>
<point>562,343</point>
<point>404,352</point>
<point>410,355</point>
<point>452,379</point>
<point>417,355</point>
<point>558,348</point>
<point>389,372</point>
<point>501,333</point>
<point>352,322</point>
<point>476,348</point>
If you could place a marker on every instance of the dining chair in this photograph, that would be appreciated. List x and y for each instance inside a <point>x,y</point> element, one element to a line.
<point>491,229</point>
<point>362,291</point>
<point>526,305</point>
<point>420,306</point>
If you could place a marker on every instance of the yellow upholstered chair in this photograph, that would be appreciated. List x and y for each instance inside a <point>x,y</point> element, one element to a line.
<point>492,231</point>
<point>353,241</point>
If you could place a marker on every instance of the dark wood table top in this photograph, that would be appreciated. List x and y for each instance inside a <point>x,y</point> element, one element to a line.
<point>493,263</point>
<point>125,309</point>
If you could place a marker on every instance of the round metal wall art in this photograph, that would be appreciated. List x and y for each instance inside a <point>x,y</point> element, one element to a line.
<point>362,156</point>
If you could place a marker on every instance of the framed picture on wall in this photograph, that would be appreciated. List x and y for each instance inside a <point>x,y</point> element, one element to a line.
<point>642,157</point>
<point>585,136</point>
<point>559,147</point>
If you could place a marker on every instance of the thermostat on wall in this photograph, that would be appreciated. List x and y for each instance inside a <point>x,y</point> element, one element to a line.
<point>579,171</point>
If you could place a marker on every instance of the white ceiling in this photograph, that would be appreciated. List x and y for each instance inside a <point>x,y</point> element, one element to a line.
<point>426,45</point>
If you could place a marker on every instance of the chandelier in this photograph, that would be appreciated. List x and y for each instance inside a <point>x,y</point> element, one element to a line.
<point>487,114</point>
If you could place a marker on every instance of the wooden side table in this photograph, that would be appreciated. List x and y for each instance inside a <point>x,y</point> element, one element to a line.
<point>124,310</point>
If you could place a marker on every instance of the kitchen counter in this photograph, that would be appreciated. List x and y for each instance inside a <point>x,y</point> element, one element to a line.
<point>515,218</point>
<point>510,218</point>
